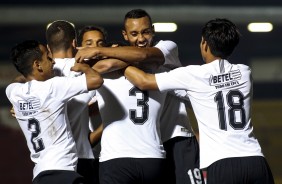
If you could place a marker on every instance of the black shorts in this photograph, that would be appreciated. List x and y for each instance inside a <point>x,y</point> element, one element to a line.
<point>131,171</point>
<point>58,177</point>
<point>86,168</point>
<point>182,161</point>
<point>251,170</point>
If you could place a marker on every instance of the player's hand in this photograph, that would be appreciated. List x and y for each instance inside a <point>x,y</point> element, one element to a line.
<point>86,53</point>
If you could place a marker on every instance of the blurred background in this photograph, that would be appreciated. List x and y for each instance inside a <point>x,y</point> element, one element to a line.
<point>21,20</point>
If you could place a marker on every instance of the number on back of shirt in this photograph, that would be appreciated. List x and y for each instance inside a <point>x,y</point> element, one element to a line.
<point>34,128</point>
<point>142,99</point>
<point>236,113</point>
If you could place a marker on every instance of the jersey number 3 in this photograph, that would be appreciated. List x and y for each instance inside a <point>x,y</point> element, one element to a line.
<point>236,111</point>
<point>142,102</point>
<point>34,128</point>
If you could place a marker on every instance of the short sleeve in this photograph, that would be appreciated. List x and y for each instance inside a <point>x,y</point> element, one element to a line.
<point>170,52</point>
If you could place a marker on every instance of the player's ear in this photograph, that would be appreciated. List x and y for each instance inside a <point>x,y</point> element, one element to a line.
<point>48,48</point>
<point>204,44</point>
<point>124,35</point>
<point>37,65</point>
<point>74,44</point>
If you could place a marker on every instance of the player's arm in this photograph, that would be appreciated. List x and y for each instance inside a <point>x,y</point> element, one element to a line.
<point>109,65</point>
<point>140,79</point>
<point>93,78</point>
<point>128,54</point>
<point>95,136</point>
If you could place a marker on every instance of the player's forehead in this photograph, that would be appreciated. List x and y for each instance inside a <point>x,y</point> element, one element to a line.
<point>137,24</point>
<point>93,34</point>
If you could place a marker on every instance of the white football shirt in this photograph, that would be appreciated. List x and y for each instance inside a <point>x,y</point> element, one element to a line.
<point>77,110</point>
<point>221,96</point>
<point>174,120</point>
<point>40,109</point>
<point>130,119</point>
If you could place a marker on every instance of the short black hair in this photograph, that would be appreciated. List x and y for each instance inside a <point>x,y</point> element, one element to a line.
<point>136,14</point>
<point>91,28</point>
<point>24,54</point>
<point>222,36</point>
<point>60,34</point>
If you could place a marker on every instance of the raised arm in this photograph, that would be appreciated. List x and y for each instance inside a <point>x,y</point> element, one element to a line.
<point>140,79</point>
<point>127,54</point>
<point>93,78</point>
<point>109,65</point>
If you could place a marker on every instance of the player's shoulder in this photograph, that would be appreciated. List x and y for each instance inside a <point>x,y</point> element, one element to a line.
<point>12,87</point>
<point>243,67</point>
<point>165,43</point>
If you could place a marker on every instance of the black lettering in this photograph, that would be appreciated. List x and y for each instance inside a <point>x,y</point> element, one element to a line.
<point>215,79</point>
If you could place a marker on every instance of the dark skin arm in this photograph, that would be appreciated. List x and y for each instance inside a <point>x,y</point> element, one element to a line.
<point>140,79</point>
<point>93,78</point>
<point>95,136</point>
<point>128,54</point>
<point>108,65</point>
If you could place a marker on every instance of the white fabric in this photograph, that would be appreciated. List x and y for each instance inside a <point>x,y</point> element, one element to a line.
<point>127,134</point>
<point>208,85</point>
<point>174,119</point>
<point>40,110</point>
<point>77,110</point>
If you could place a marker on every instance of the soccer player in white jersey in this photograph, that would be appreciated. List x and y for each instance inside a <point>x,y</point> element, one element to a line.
<point>221,97</point>
<point>40,105</point>
<point>93,36</point>
<point>176,131</point>
<point>61,41</point>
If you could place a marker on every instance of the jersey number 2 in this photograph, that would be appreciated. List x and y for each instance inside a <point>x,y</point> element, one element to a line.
<point>34,128</point>
<point>235,101</point>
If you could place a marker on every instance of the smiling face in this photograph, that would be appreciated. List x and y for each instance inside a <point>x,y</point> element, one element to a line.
<point>93,38</point>
<point>139,32</point>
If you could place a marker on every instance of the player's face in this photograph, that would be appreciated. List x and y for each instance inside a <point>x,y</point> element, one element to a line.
<point>46,64</point>
<point>139,32</point>
<point>93,39</point>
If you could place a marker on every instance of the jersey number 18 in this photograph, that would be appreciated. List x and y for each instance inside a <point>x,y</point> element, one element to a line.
<point>236,111</point>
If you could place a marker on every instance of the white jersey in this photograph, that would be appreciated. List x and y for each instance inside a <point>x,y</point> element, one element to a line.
<point>40,109</point>
<point>221,96</point>
<point>77,110</point>
<point>130,119</point>
<point>174,120</point>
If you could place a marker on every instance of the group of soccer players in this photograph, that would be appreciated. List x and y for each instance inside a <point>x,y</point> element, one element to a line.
<point>141,92</point>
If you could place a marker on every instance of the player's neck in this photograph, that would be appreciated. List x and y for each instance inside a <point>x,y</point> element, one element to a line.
<point>63,54</point>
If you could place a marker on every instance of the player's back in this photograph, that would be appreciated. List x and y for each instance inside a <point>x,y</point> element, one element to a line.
<point>223,98</point>
<point>40,110</point>
<point>130,119</point>
<point>77,110</point>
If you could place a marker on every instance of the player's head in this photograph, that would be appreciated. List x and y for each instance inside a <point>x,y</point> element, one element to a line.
<point>221,36</point>
<point>138,28</point>
<point>92,36</point>
<point>31,58</point>
<point>60,35</point>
